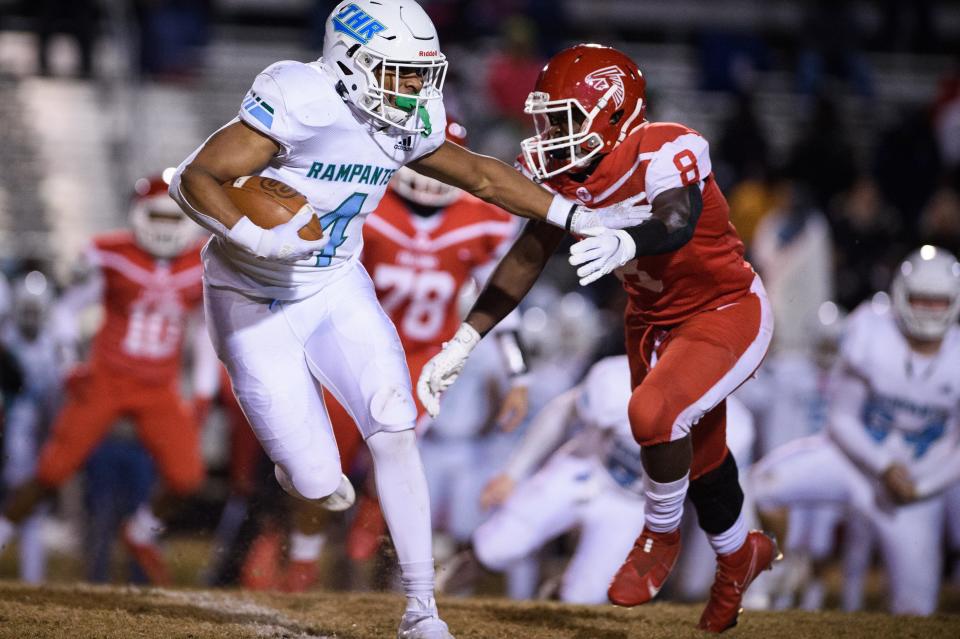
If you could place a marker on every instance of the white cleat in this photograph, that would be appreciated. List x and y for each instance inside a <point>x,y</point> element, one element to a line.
<point>341,499</point>
<point>423,622</point>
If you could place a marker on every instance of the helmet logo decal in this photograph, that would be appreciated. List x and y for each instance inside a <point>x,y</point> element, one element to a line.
<point>603,79</point>
<point>357,24</point>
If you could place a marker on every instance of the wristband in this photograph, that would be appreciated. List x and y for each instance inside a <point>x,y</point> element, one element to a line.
<point>246,234</point>
<point>560,212</point>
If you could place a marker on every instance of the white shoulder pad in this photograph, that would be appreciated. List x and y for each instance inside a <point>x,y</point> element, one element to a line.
<point>288,101</point>
<point>424,145</point>
<point>678,163</point>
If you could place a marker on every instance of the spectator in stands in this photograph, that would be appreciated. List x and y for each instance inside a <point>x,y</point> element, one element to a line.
<point>77,19</point>
<point>908,166</point>
<point>868,241</point>
<point>793,252</point>
<point>172,33</point>
<point>940,219</point>
<point>830,48</point>
<point>822,155</point>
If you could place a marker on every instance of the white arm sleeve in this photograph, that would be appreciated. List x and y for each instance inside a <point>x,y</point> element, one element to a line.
<point>943,476</point>
<point>844,422</point>
<point>544,435</point>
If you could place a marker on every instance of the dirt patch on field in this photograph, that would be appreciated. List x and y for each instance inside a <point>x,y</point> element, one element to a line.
<point>102,612</point>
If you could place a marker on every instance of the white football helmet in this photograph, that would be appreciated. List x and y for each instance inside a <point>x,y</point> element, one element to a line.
<point>159,226</point>
<point>32,303</point>
<point>929,274</point>
<point>367,39</point>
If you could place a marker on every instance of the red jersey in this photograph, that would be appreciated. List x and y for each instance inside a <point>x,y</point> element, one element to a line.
<point>146,302</point>
<point>418,265</point>
<point>709,270</point>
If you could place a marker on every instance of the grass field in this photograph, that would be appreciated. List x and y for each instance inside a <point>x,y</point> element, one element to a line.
<point>111,612</point>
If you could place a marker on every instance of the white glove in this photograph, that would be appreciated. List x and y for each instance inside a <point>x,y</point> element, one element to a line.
<point>578,219</point>
<point>600,252</point>
<point>443,368</point>
<point>282,243</point>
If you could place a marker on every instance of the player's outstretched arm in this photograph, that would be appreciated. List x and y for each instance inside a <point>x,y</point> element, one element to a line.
<point>510,281</point>
<point>493,181</point>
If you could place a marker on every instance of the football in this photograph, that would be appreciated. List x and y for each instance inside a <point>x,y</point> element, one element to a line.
<point>269,203</point>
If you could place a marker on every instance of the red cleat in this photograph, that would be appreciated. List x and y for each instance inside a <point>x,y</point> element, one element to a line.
<point>149,558</point>
<point>367,530</point>
<point>301,575</point>
<point>646,569</point>
<point>735,573</point>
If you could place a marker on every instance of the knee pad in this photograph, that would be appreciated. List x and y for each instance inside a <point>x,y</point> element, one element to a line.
<point>649,416</point>
<point>392,408</point>
<point>717,497</point>
<point>307,483</point>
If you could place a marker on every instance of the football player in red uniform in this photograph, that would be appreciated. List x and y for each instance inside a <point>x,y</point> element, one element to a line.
<point>423,243</point>
<point>148,281</point>
<point>697,320</point>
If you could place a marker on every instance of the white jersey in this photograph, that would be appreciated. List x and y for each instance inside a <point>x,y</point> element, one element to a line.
<point>337,158</point>
<point>910,410</point>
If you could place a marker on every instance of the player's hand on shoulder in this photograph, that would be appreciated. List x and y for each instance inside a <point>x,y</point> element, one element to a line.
<point>602,251</point>
<point>282,243</point>
<point>898,484</point>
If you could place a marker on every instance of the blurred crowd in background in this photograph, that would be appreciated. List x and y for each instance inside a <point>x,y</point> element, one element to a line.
<point>834,131</point>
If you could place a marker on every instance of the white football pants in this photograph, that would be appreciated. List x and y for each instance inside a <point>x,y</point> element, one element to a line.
<point>278,355</point>
<point>812,471</point>
<point>567,493</point>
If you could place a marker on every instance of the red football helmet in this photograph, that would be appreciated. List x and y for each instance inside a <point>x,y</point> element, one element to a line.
<point>585,102</point>
<point>426,191</point>
<point>159,226</point>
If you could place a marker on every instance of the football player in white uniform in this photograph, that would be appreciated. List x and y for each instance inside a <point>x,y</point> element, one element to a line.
<point>892,445</point>
<point>591,481</point>
<point>42,352</point>
<point>286,314</point>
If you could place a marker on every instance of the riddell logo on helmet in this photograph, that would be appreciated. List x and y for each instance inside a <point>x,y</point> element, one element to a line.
<point>603,79</point>
<point>429,54</point>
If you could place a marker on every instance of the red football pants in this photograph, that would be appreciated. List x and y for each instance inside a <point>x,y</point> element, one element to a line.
<point>682,374</point>
<point>164,423</point>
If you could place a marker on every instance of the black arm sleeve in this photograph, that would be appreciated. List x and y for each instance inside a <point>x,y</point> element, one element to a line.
<point>653,237</point>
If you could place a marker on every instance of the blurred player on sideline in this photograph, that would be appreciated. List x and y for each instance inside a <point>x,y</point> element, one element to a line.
<point>148,281</point>
<point>289,315</point>
<point>31,337</point>
<point>588,478</point>
<point>697,322</point>
<point>892,446</point>
<point>424,242</point>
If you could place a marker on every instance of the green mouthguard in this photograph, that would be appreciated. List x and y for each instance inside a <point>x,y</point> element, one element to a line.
<point>409,104</point>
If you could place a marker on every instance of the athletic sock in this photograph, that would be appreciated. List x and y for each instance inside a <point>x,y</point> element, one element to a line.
<point>144,526</point>
<point>7,531</point>
<point>402,489</point>
<point>664,503</point>
<point>731,539</point>
<point>306,547</point>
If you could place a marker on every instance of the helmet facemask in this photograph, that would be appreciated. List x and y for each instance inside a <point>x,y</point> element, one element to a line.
<point>381,98</point>
<point>555,149</point>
